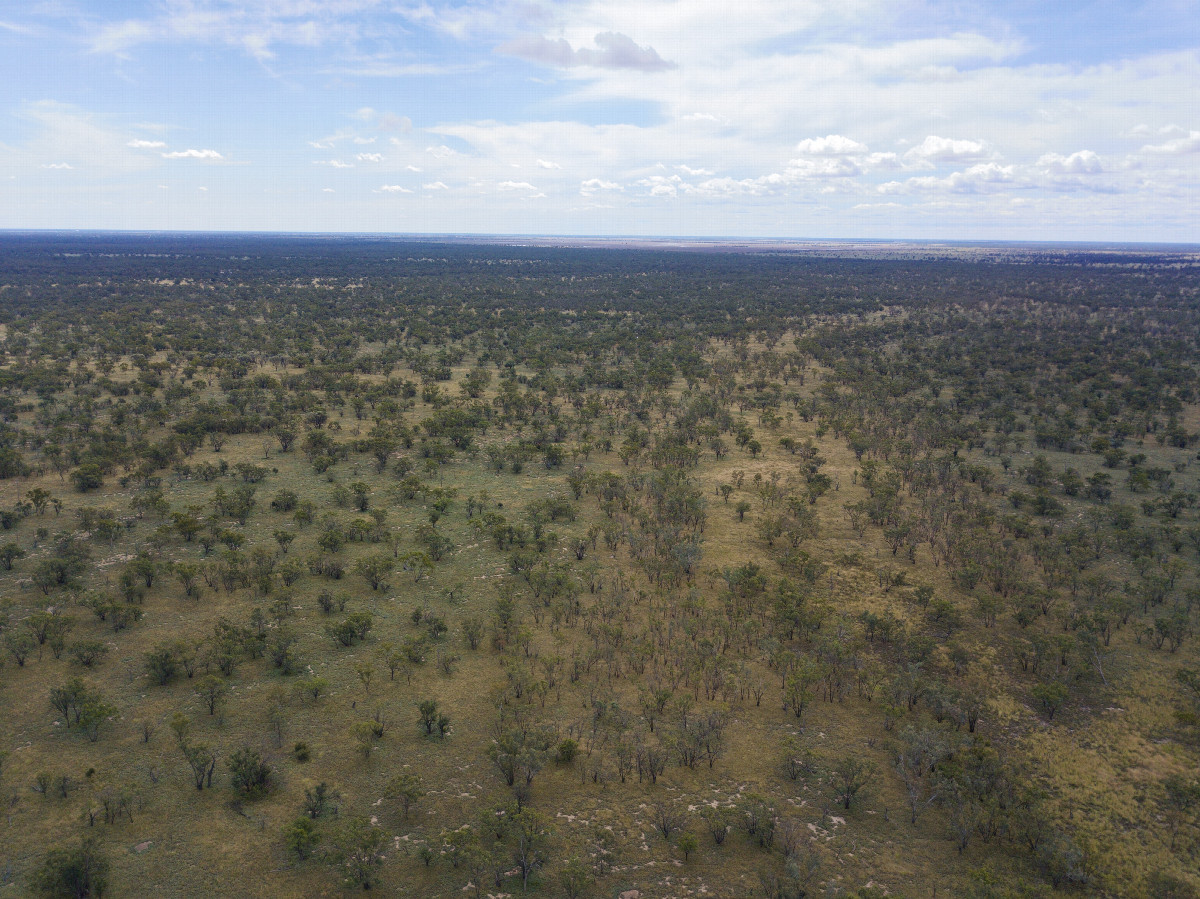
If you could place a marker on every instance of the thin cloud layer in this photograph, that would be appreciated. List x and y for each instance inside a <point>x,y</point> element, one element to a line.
<point>613,50</point>
<point>193,154</point>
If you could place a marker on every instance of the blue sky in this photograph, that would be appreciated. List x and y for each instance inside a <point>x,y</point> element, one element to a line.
<point>942,119</point>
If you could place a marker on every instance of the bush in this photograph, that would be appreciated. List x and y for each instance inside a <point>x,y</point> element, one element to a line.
<point>301,837</point>
<point>78,873</point>
<point>87,477</point>
<point>251,775</point>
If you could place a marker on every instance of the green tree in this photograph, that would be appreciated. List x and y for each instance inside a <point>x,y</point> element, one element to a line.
<point>375,569</point>
<point>851,776</point>
<point>80,873</point>
<point>212,692</point>
<point>574,877</point>
<point>301,837</point>
<point>9,553</point>
<point>531,833</point>
<point>250,775</point>
<point>358,849</point>
<point>405,789</point>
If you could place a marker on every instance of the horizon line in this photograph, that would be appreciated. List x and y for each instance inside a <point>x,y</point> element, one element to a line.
<point>494,237</point>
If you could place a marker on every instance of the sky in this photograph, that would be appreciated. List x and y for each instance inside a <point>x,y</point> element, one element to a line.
<point>869,119</point>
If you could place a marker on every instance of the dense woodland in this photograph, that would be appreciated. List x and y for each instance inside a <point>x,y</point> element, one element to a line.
<point>481,570</point>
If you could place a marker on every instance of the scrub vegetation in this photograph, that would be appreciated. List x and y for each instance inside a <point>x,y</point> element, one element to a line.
<point>467,570</point>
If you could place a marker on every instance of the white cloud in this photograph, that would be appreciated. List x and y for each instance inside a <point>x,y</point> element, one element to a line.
<point>193,154</point>
<point>334,163</point>
<point>1082,162</point>
<point>823,167</point>
<point>118,37</point>
<point>395,189</point>
<point>943,149</point>
<point>252,27</point>
<point>831,145</point>
<point>882,161</point>
<point>592,185</point>
<point>327,190</point>
<point>1178,147</point>
<point>613,51</point>
<point>434,185</point>
<point>982,178</point>
<point>58,165</point>
<point>69,136</point>
<point>369,157</point>
<point>515,185</point>
<point>851,79</point>
<point>663,185</point>
<point>391,122</point>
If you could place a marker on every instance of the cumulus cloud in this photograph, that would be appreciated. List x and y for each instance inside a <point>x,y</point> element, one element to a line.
<point>441,152</point>
<point>688,170</point>
<point>1177,147</point>
<point>58,165</point>
<point>395,189</point>
<point>515,185</point>
<point>832,156</point>
<point>830,145</point>
<point>982,178</point>
<point>593,185</point>
<point>824,167</point>
<point>1082,162</point>
<point>663,185</point>
<point>193,154</point>
<point>542,163</point>
<point>369,157</point>
<point>334,163</point>
<point>435,185</point>
<point>882,160</point>
<point>936,149</point>
<point>139,144</point>
<point>613,51</point>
